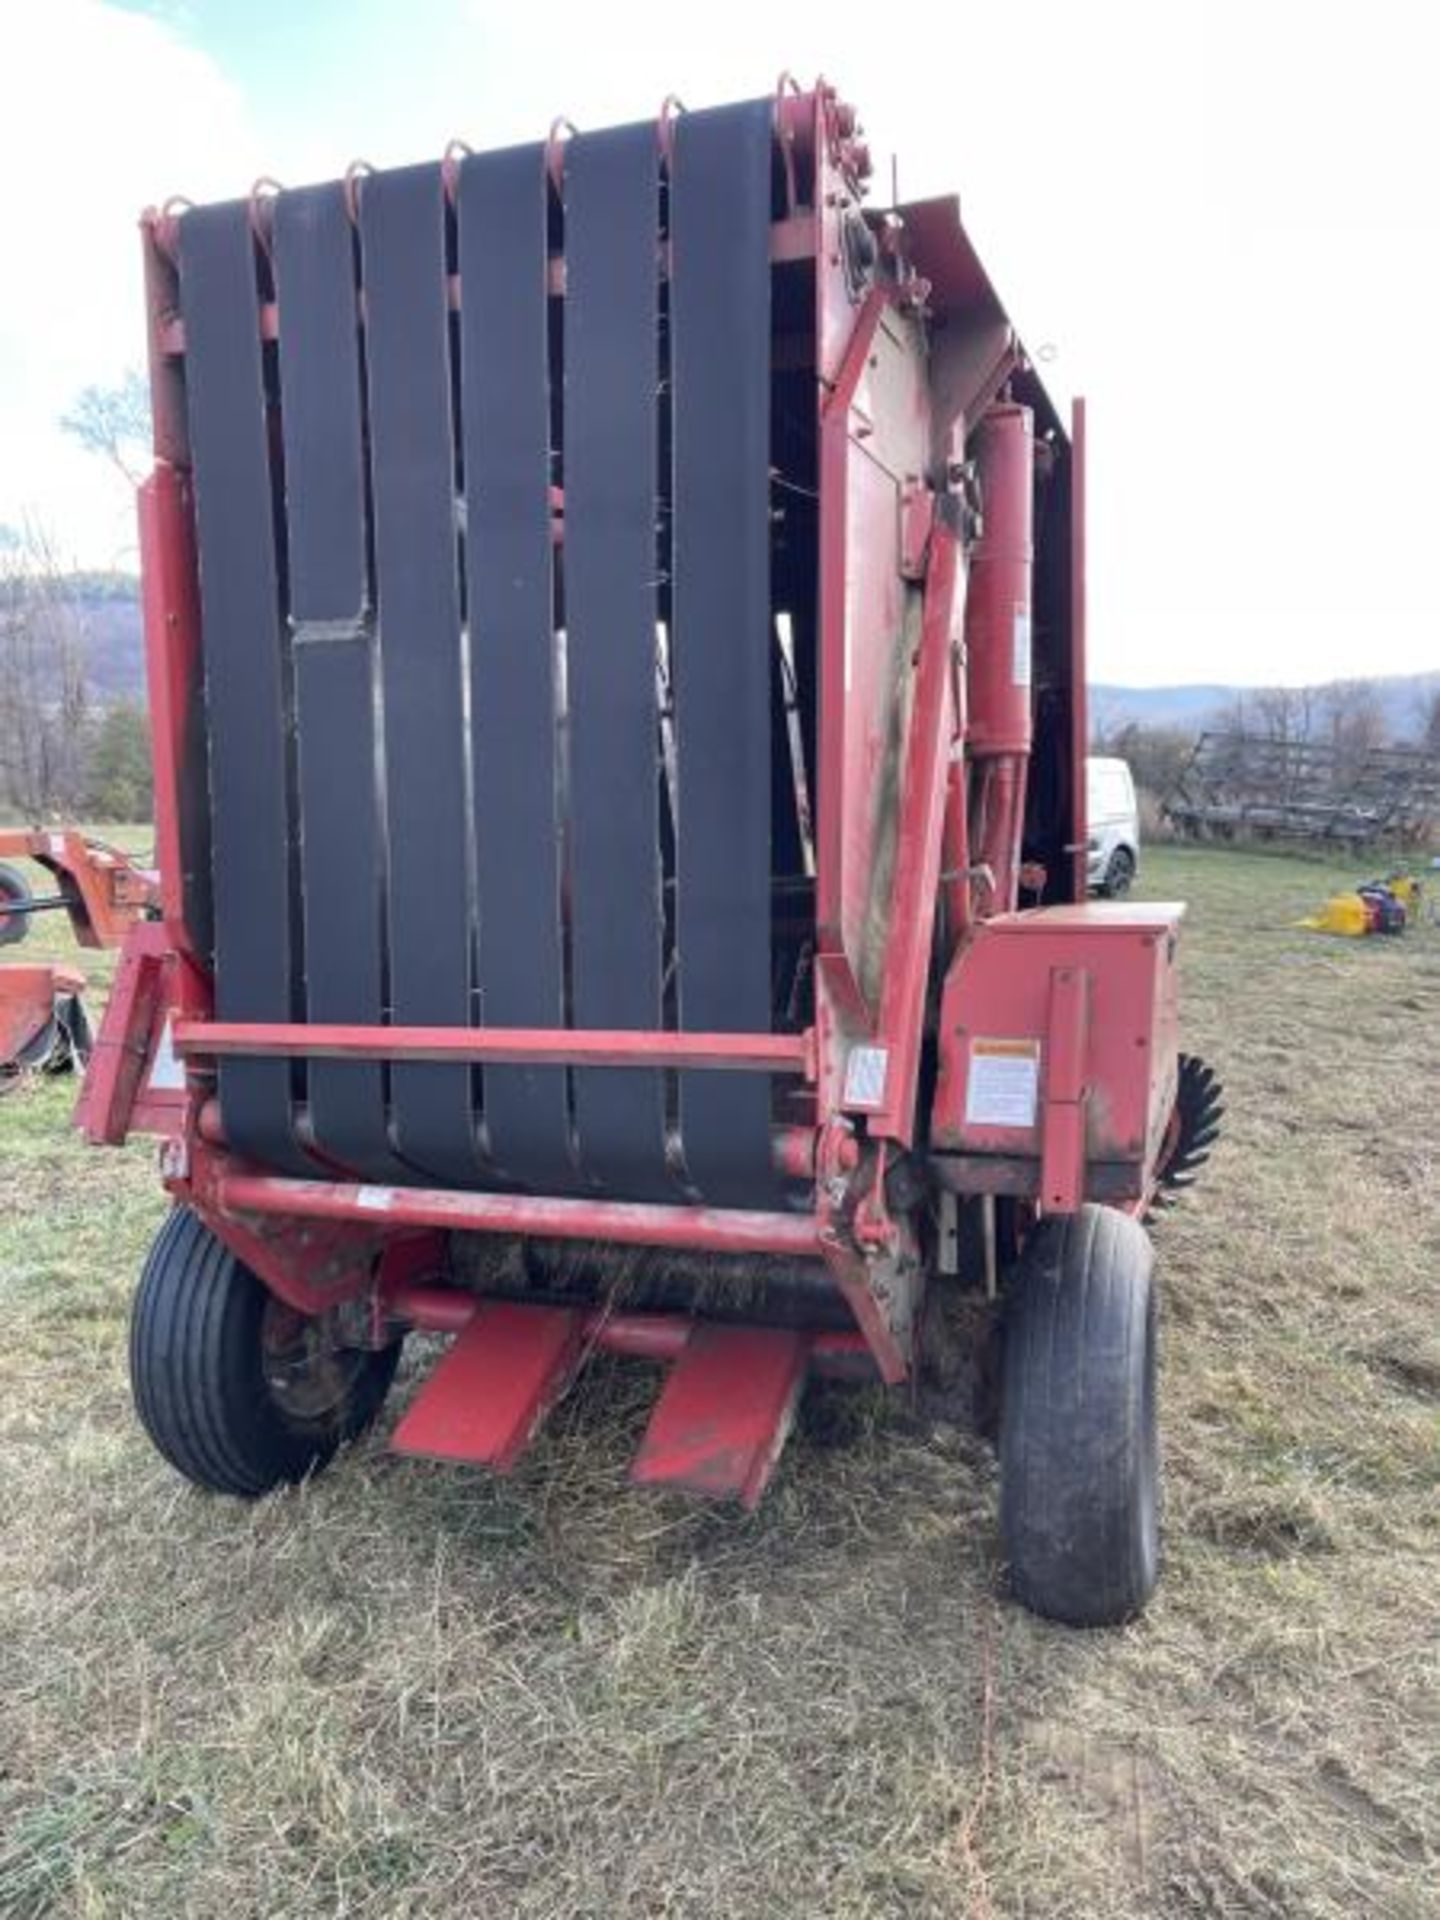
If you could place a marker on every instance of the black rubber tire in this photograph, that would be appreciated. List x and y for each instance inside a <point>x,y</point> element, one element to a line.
<point>13,887</point>
<point>1079,1434</point>
<point>197,1371</point>
<point>1119,874</point>
<point>75,1023</point>
<point>44,1052</point>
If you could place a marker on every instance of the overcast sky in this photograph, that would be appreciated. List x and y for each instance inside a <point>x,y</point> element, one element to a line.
<point>1222,219</point>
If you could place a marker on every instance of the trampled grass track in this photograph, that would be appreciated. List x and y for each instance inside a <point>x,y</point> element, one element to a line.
<point>408,1689</point>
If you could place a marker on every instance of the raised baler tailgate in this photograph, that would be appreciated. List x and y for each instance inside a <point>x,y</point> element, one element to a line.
<point>998,1036</point>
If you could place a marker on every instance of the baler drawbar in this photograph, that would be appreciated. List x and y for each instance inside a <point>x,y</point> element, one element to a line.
<point>615,630</point>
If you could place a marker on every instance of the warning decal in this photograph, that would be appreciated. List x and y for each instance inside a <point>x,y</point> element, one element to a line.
<point>167,1075</point>
<point>1020,648</point>
<point>865,1076</point>
<point>1004,1083</point>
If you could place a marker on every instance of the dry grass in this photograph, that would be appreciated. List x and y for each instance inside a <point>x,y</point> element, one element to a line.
<point>408,1689</point>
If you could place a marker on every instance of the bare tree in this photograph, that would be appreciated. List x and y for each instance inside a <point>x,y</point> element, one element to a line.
<point>1155,754</point>
<point>115,423</point>
<point>1354,718</point>
<point>1286,714</point>
<point>44,699</point>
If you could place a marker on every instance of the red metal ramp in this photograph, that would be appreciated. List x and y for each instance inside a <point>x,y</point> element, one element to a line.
<point>724,1413</point>
<point>507,1367</point>
<point>718,1426</point>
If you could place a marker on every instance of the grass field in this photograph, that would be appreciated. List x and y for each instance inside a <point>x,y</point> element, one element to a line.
<point>409,1689</point>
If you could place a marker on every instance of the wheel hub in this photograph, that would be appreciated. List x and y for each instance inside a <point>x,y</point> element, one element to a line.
<point>308,1370</point>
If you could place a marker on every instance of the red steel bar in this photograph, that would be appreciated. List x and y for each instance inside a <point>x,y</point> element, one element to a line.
<point>629,1223</point>
<point>997,641</point>
<point>917,859</point>
<point>596,1047</point>
<point>1067,1037</point>
<point>172,670</point>
<point>1002,811</point>
<point>640,1336</point>
<point>956,853</point>
<point>834,716</point>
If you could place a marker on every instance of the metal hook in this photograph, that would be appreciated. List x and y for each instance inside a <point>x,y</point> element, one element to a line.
<point>670,107</point>
<point>455,151</point>
<point>555,149</point>
<point>164,224</point>
<point>354,174</point>
<point>260,211</point>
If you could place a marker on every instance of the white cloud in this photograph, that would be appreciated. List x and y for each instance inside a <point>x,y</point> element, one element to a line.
<point>105,112</point>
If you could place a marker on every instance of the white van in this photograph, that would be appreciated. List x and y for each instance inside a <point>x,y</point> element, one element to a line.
<point>1114,820</point>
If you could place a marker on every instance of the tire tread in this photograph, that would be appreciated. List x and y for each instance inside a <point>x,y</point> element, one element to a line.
<point>196,1370</point>
<point>1079,1474</point>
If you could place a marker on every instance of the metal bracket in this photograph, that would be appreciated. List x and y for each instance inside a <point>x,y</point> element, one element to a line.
<point>1066,1093</point>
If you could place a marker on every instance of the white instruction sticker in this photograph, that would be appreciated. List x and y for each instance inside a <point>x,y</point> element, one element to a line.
<point>375,1199</point>
<point>865,1076</point>
<point>1004,1083</point>
<point>166,1073</point>
<point>1020,652</point>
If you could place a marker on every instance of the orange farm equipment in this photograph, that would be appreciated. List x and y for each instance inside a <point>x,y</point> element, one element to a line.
<point>615,627</point>
<point>43,1023</point>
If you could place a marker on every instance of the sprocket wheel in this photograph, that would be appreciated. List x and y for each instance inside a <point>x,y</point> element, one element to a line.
<point>1194,1129</point>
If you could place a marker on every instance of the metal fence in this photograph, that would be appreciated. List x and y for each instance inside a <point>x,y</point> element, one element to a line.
<point>1246,786</point>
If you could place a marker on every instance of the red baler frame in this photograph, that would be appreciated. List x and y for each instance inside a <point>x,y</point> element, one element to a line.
<point>321,1243</point>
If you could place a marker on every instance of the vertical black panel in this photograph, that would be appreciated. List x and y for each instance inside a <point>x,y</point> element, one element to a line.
<point>402,232</point>
<point>244,666</point>
<point>320,397</point>
<point>720,328</point>
<point>611,601</point>
<point>332,637</point>
<point>503,206</point>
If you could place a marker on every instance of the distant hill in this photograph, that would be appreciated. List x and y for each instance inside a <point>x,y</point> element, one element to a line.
<point>102,609</point>
<point>114,643</point>
<point>1186,707</point>
<point>109,606</point>
<point>1403,699</point>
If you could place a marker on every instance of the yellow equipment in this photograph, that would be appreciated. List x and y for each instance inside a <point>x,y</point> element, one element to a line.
<point>1342,913</point>
<point>1384,906</point>
<point>1407,890</point>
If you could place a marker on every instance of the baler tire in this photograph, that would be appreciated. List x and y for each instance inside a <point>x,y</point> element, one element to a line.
<point>1079,1438</point>
<point>199,1379</point>
<point>38,1053</point>
<point>1119,874</point>
<point>14,891</point>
